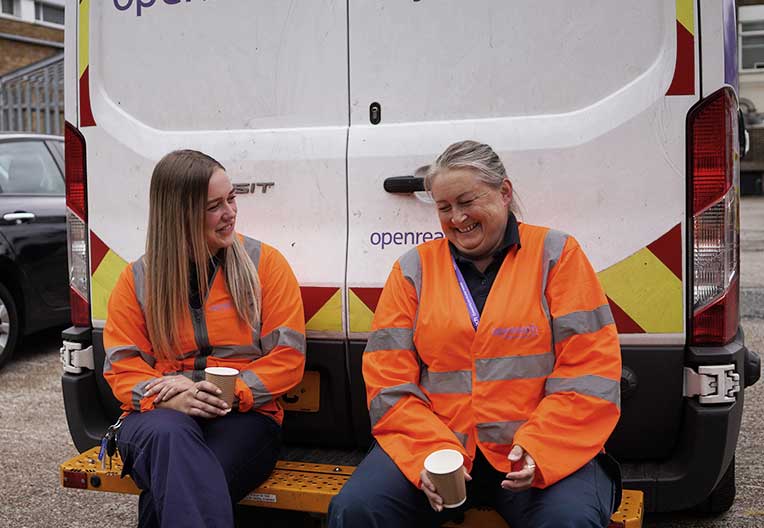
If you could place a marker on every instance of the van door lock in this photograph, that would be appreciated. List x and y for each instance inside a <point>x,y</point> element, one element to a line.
<point>712,383</point>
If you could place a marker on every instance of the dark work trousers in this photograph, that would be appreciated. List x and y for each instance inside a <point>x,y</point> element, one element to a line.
<point>379,495</point>
<point>192,470</point>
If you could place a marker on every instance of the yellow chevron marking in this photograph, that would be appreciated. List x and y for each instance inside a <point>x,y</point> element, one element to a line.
<point>103,281</point>
<point>360,314</point>
<point>686,15</point>
<point>83,43</point>
<point>329,317</point>
<point>647,291</point>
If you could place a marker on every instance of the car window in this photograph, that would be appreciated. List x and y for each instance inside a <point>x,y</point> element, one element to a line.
<point>27,167</point>
<point>59,147</point>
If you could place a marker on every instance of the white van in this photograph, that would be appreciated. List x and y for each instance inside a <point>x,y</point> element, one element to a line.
<point>617,120</point>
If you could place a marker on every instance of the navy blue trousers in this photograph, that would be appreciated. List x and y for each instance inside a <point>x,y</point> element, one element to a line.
<point>193,470</point>
<point>378,495</point>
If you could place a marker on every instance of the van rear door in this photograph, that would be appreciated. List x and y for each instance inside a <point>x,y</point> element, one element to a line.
<point>259,85</point>
<point>585,104</point>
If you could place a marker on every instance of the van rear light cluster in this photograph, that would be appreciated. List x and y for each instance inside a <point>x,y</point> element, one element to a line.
<point>76,226</point>
<point>714,184</point>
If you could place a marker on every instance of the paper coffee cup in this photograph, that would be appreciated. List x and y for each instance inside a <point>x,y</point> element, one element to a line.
<point>444,467</point>
<point>225,379</point>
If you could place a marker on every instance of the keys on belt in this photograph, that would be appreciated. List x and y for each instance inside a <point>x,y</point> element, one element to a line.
<point>109,444</point>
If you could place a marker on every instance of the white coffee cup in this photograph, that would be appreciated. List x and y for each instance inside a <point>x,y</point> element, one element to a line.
<point>225,379</point>
<point>445,469</point>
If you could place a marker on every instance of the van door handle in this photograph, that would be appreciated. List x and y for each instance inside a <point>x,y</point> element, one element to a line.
<point>404,184</point>
<point>18,217</point>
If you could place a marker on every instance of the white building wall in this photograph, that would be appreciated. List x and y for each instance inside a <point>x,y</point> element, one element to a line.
<point>25,9</point>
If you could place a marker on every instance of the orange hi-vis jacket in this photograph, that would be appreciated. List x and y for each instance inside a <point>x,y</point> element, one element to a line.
<point>542,370</point>
<point>270,358</point>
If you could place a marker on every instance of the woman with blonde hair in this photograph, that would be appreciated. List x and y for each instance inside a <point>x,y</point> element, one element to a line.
<point>201,296</point>
<point>496,342</point>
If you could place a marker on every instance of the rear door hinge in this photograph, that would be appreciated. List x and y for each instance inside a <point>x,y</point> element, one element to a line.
<point>75,358</point>
<point>712,383</point>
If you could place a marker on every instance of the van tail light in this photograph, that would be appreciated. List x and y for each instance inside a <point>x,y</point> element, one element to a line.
<point>714,174</point>
<point>76,226</point>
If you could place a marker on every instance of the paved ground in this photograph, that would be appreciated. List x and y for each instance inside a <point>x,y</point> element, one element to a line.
<point>748,509</point>
<point>34,438</point>
<point>752,256</point>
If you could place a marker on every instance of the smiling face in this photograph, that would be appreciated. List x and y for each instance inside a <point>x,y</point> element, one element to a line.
<point>473,214</point>
<point>220,217</point>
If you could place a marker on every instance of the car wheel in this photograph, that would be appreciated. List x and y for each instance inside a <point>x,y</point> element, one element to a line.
<point>9,325</point>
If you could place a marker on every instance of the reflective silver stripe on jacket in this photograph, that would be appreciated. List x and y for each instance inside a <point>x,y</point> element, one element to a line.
<point>389,396</point>
<point>589,385</point>
<point>256,340</point>
<point>253,248</point>
<point>120,353</point>
<point>554,243</point>
<point>583,322</point>
<point>391,339</point>
<point>185,355</point>
<point>498,432</point>
<point>260,394</point>
<point>139,391</point>
<point>139,279</point>
<point>283,336</point>
<point>514,367</point>
<point>411,268</point>
<point>449,382</point>
<point>462,437</point>
<point>237,352</point>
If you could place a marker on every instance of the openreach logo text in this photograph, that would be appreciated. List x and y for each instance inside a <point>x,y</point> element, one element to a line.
<point>402,238</point>
<point>140,5</point>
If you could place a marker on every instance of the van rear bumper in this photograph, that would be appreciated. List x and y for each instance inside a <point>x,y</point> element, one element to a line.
<point>707,438</point>
<point>701,448</point>
<point>88,402</point>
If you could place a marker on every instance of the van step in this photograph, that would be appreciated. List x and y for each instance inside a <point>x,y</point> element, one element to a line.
<point>293,485</point>
<point>297,486</point>
<point>629,515</point>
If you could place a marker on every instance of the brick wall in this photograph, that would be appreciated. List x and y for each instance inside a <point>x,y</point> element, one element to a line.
<point>15,55</point>
<point>27,29</point>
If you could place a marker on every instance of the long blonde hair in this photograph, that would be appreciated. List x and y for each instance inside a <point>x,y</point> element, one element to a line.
<point>177,206</point>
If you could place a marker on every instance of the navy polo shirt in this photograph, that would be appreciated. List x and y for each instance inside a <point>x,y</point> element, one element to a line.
<point>479,283</point>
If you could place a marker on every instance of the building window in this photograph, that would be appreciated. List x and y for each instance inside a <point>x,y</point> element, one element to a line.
<point>752,45</point>
<point>7,7</point>
<point>52,14</point>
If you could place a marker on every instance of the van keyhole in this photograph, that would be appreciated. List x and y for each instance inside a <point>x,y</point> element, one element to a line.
<point>375,113</point>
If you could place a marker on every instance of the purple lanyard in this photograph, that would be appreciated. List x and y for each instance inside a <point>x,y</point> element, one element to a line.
<point>471,308</point>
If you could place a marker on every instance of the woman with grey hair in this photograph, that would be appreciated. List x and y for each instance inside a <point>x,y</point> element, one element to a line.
<point>496,342</point>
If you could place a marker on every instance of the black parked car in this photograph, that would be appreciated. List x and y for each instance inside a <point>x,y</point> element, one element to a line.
<point>34,286</point>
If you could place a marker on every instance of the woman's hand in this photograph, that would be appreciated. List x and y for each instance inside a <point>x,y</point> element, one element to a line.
<point>436,501</point>
<point>522,479</point>
<point>168,386</point>
<point>197,399</point>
